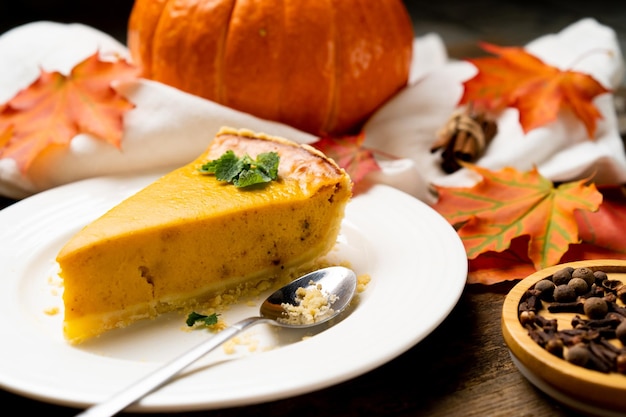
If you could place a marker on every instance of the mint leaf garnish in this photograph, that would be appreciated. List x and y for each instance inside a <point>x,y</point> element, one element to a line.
<point>244,171</point>
<point>194,318</point>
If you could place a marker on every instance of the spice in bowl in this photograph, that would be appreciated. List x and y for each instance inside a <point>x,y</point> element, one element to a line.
<point>596,304</point>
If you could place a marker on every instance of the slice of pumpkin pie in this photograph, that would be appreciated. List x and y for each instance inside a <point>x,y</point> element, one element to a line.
<point>192,235</point>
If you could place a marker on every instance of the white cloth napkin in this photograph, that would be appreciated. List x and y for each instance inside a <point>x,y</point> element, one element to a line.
<point>169,128</point>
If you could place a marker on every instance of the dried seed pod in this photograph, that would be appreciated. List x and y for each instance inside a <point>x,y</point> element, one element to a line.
<point>527,317</point>
<point>600,276</point>
<point>531,302</point>
<point>545,289</point>
<point>584,273</point>
<point>579,285</point>
<point>564,293</point>
<point>620,363</point>
<point>578,354</point>
<point>555,346</point>
<point>562,276</point>
<point>612,284</point>
<point>621,293</point>
<point>595,307</point>
<point>620,332</point>
<point>566,307</point>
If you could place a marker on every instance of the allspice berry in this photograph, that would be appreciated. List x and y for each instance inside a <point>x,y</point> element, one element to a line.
<point>600,276</point>
<point>545,287</point>
<point>564,293</point>
<point>595,308</point>
<point>578,355</point>
<point>584,273</point>
<point>579,285</point>
<point>562,276</point>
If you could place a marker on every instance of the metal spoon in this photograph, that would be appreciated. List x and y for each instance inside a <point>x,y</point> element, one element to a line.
<point>337,281</point>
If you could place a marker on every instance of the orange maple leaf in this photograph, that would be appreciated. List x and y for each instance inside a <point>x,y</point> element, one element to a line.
<point>348,152</point>
<point>538,91</point>
<point>55,108</point>
<point>508,204</point>
<point>5,136</point>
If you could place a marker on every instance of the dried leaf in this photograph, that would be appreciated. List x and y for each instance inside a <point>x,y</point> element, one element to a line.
<point>604,227</point>
<point>583,251</point>
<point>508,204</point>
<point>5,136</point>
<point>539,91</point>
<point>55,108</point>
<point>349,153</point>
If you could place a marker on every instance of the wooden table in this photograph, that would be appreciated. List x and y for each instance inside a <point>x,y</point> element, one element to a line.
<point>463,368</point>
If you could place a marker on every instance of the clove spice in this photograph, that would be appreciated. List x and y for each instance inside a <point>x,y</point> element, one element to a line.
<point>592,341</point>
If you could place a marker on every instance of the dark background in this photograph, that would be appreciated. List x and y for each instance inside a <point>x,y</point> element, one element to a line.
<point>109,16</point>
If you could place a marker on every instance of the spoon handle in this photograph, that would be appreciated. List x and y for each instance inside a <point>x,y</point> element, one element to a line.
<point>154,380</point>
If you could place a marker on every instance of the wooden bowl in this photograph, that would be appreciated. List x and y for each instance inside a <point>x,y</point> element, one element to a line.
<point>580,388</point>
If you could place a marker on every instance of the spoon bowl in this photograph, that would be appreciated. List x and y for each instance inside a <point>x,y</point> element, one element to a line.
<point>336,285</point>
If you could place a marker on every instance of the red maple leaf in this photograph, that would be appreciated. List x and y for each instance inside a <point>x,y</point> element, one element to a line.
<point>55,108</point>
<point>494,267</point>
<point>538,91</point>
<point>513,264</point>
<point>348,152</point>
<point>603,227</point>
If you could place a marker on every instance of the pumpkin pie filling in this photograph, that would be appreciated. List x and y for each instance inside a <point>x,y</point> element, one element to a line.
<point>188,237</point>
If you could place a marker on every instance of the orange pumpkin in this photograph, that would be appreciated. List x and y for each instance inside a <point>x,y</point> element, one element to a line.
<point>323,66</point>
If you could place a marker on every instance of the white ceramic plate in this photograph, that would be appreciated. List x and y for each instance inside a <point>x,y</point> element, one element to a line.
<point>416,261</point>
